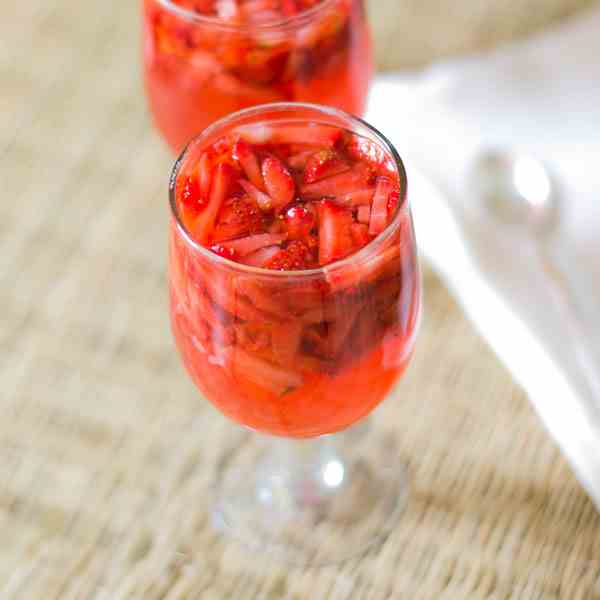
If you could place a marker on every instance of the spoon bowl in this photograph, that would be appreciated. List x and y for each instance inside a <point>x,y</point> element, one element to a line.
<point>516,189</point>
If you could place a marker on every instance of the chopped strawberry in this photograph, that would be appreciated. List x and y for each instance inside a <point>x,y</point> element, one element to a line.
<point>323,164</point>
<point>295,257</point>
<point>223,179</point>
<point>339,185</point>
<point>363,214</point>
<point>274,378</point>
<point>299,160</point>
<point>321,136</point>
<point>264,202</point>
<point>205,174</point>
<point>289,8</point>
<point>360,234</point>
<point>244,154</point>
<point>278,181</point>
<point>261,257</point>
<point>299,221</point>
<point>393,203</point>
<point>335,234</point>
<point>239,216</point>
<point>224,251</point>
<point>286,340</point>
<point>190,195</point>
<point>250,244</point>
<point>358,198</point>
<point>379,210</point>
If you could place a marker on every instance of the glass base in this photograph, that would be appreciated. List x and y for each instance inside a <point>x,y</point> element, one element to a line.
<point>311,501</point>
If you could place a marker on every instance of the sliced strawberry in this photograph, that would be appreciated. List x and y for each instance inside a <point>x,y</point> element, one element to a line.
<point>250,244</point>
<point>339,185</point>
<point>205,168</point>
<point>379,210</point>
<point>321,136</point>
<point>338,331</point>
<point>323,164</point>
<point>245,155</point>
<point>299,160</point>
<point>251,338</point>
<point>261,257</point>
<point>358,198</point>
<point>363,215</point>
<point>224,251</point>
<point>360,234</point>
<point>285,340</point>
<point>335,234</point>
<point>190,195</point>
<point>289,8</point>
<point>299,221</point>
<point>204,224</point>
<point>278,181</point>
<point>260,372</point>
<point>238,217</point>
<point>384,264</point>
<point>264,202</point>
<point>393,202</point>
<point>295,257</point>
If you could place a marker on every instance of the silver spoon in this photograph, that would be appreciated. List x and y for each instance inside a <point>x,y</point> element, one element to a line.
<point>518,190</point>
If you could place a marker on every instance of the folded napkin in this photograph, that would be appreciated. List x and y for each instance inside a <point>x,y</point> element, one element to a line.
<point>541,97</point>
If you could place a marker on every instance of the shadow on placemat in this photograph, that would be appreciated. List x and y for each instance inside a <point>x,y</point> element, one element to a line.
<point>106,450</point>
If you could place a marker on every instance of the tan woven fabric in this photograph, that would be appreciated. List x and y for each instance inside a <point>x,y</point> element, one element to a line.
<point>105,448</point>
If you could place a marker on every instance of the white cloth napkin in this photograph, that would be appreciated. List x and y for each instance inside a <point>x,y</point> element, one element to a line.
<point>542,97</point>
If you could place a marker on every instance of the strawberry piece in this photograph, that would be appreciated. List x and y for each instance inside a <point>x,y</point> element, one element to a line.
<point>321,136</point>
<point>339,185</point>
<point>278,181</point>
<point>335,234</point>
<point>285,341</point>
<point>224,251</point>
<point>379,210</point>
<point>393,203</point>
<point>299,160</point>
<point>358,197</point>
<point>264,202</point>
<point>243,153</point>
<point>296,257</point>
<point>299,221</point>
<point>261,257</point>
<point>190,195</point>
<point>289,8</point>
<point>240,216</point>
<point>260,372</point>
<point>204,224</point>
<point>360,234</point>
<point>363,214</point>
<point>250,244</point>
<point>323,164</point>
<point>205,174</point>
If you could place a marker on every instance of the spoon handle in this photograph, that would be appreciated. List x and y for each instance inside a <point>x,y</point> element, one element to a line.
<point>573,319</point>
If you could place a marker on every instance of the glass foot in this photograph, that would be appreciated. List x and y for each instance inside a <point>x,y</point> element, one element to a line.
<point>314,501</point>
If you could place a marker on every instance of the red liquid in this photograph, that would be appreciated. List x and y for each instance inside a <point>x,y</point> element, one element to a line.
<point>298,355</point>
<point>197,72</point>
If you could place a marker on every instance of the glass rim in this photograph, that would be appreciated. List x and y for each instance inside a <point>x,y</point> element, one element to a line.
<point>284,22</point>
<point>364,252</point>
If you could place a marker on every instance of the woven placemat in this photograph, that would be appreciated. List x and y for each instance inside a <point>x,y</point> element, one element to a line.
<point>105,447</point>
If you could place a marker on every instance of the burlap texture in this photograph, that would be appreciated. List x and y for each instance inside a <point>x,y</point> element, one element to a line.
<point>105,447</point>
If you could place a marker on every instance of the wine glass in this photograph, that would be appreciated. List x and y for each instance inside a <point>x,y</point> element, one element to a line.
<point>201,66</point>
<point>298,356</point>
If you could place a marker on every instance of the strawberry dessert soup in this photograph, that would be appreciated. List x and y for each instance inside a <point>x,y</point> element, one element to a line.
<point>205,59</point>
<point>294,285</point>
